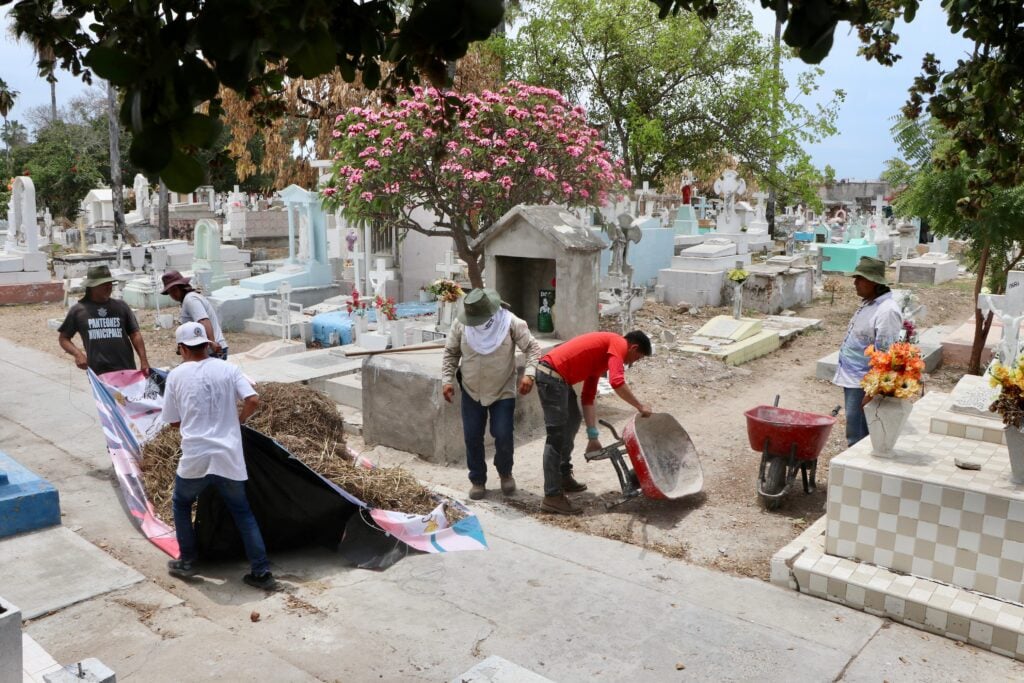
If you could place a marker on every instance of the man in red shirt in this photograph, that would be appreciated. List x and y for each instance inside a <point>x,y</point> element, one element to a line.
<point>586,359</point>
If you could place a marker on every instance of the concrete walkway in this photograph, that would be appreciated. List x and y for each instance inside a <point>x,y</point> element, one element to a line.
<point>564,606</point>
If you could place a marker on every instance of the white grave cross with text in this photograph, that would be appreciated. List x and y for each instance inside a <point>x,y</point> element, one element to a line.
<point>451,268</point>
<point>1009,309</point>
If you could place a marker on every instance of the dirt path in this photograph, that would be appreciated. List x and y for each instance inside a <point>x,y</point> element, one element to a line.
<point>726,526</point>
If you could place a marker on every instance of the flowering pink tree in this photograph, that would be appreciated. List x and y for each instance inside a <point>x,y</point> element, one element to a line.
<point>467,159</point>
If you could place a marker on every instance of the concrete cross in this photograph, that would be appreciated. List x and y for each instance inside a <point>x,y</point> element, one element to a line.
<point>702,206</point>
<point>451,268</point>
<point>879,204</point>
<point>379,276</point>
<point>284,307</point>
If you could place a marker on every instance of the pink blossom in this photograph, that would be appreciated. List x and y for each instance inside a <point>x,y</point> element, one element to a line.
<point>501,161</point>
<point>429,133</point>
<point>511,132</point>
<point>368,151</point>
<point>584,194</point>
<point>373,133</point>
<point>406,135</point>
<point>329,191</point>
<point>506,182</point>
<point>465,152</point>
<point>335,133</point>
<point>387,142</point>
<point>339,118</point>
<point>566,188</point>
<point>372,164</point>
<point>366,196</point>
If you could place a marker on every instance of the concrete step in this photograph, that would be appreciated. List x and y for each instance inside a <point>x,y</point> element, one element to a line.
<point>346,390</point>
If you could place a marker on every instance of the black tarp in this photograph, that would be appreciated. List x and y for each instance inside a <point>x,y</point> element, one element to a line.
<point>294,508</point>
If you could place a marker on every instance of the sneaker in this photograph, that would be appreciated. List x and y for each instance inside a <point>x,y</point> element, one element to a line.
<point>570,485</point>
<point>508,484</point>
<point>265,581</point>
<point>183,569</point>
<point>559,505</point>
<point>477,491</point>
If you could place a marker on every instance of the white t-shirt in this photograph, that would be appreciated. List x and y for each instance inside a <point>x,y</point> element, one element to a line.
<point>202,396</point>
<point>195,307</point>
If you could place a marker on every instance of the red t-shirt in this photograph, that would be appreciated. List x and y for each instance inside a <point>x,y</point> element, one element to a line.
<point>587,357</point>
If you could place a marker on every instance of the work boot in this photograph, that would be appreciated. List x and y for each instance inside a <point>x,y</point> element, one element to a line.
<point>266,581</point>
<point>570,485</point>
<point>559,505</point>
<point>182,569</point>
<point>508,484</point>
<point>477,491</point>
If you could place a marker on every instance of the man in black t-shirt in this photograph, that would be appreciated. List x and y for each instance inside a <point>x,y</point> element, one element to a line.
<point>107,326</point>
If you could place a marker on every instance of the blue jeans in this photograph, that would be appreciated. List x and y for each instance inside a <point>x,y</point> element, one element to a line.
<point>186,491</point>
<point>474,422</point>
<point>562,419</point>
<point>856,423</point>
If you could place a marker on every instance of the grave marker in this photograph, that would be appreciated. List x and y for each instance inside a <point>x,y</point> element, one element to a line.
<point>379,277</point>
<point>1009,308</point>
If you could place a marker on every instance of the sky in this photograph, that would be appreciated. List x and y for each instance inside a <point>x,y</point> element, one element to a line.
<point>874,93</point>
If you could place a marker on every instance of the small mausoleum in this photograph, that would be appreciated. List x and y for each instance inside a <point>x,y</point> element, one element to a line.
<point>532,250</point>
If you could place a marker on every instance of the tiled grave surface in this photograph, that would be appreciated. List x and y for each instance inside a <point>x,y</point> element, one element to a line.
<point>36,662</point>
<point>919,540</point>
<point>929,605</point>
<point>919,513</point>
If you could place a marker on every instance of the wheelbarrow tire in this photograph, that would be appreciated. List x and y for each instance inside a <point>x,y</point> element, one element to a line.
<point>775,482</point>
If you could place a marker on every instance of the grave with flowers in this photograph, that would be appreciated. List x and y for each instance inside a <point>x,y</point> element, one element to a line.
<point>927,528</point>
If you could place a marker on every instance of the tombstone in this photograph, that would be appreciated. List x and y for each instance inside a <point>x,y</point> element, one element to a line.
<point>137,257</point>
<point>698,274</point>
<point>760,219</point>
<point>207,262</point>
<point>940,245</point>
<point>532,248</point>
<point>702,208</point>
<point>729,186</point>
<point>451,269</point>
<point>879,205</point>
<point>308,264</point>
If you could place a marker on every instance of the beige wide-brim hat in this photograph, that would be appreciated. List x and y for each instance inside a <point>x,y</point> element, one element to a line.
<point>478,306</point>
<point>872,269</point>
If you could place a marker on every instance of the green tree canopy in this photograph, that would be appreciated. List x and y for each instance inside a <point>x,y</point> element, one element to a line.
<point>676,93</point>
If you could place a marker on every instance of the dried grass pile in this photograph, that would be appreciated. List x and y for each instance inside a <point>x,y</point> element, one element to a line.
<point>308,425</point>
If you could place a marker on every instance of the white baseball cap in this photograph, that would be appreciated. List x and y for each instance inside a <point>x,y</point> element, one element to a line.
<point>191,334</point>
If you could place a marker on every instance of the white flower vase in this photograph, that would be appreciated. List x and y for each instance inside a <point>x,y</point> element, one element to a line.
<point>1015,447</point>
<point>445,315</point>
<point>886,416</point>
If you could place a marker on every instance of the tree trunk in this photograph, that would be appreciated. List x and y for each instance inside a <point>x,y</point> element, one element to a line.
<point>776,90</point>
<point>474,260</point>
<point>53,98</point>
<point>164,219</point>
<point>982,323</point>
<point>116,184</point>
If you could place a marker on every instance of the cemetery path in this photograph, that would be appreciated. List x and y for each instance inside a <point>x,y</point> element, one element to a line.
<point>726,527</point>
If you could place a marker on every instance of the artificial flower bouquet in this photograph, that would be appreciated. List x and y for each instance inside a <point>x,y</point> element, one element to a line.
<point>446,290</point>
<point>896,372</point>
<point>355,305</point>
<point>386,307</point>
<point>738,275</point>
<point>1010,402</point>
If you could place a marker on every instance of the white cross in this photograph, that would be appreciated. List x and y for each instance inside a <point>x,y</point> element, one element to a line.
<point>451,268</point>
<point>356,257</point>
<point>379,277</point>
<point>879,204</point>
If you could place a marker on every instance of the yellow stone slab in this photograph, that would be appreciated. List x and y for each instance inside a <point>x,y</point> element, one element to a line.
<point>728,327</point>
<point>738,352</point>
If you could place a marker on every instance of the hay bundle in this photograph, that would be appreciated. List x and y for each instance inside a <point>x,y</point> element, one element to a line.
<point>308,425</point>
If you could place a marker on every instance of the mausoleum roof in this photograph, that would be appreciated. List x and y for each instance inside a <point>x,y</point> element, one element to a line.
<point>553,222</point>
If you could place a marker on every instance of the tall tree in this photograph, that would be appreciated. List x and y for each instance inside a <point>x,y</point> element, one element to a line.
<point>674,94</point>
<point>937,192</point>
<point>520,144</point>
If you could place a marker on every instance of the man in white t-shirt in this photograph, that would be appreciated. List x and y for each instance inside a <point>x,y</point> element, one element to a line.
<point>200,399</point>
<point>196,308</point>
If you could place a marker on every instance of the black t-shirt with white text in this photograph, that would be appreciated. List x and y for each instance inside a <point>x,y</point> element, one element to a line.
<point>105,329</point>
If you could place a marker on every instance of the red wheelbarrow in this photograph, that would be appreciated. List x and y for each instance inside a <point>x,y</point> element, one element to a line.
<point>665,463</point>
<point>789,441</point>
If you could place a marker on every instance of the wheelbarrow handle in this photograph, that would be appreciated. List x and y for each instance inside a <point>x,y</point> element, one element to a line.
<point>608,424</point>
